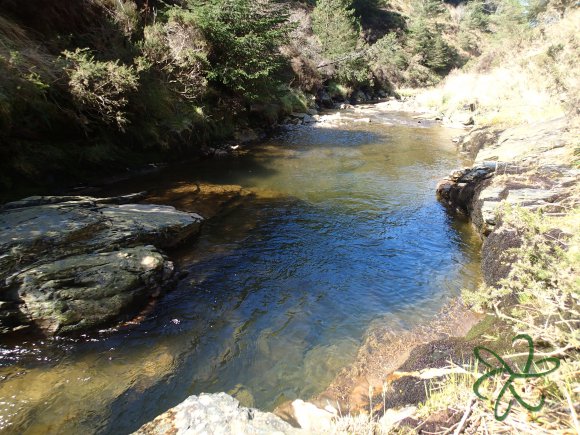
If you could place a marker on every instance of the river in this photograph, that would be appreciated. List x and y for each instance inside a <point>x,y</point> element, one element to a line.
<point>342,230</point>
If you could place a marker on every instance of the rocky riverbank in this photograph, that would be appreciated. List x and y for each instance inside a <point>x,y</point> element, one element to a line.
<point>525,166</point>
<point>91,244</point>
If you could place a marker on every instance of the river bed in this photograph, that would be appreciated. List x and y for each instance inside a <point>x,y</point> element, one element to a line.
<point>340,228</point>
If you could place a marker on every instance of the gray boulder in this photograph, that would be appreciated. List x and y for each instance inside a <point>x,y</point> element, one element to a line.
<point>460,188</point>
<point>215,414</point>
<point>86,291</point>
<point>49,247</point>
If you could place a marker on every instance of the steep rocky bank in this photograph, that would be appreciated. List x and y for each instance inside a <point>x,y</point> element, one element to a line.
<point>524,166</point>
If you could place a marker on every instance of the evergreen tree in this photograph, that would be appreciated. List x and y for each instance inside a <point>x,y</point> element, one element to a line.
<point>427,9</point>
<point>244,36</point>
<point>426,42</point>
<point>335,24</point>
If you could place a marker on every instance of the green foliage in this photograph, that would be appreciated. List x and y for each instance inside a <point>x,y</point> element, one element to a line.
<point>293,100</point>
<point>427,9</point>
<point>338,29</point>
<point>126,15</point>
<point>510,21</point>
<point>388,60</point>
<point>177,49</point>
<point>428,45</point>
<point>338,90</point>
<point>541,298</point>
<point>541,291</point>
<point>389,51</point>
<point>99,89</point>
<point>243,38</point>
<point>476,16</point>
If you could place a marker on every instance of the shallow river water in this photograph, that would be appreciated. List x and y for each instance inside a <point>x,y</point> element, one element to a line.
<point>276,296</point>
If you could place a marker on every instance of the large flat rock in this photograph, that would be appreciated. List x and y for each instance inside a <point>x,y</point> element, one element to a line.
<point>66,263</point>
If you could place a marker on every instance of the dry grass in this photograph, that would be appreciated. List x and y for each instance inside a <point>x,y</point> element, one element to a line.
<point>22,54</point>
<point>519,83</point>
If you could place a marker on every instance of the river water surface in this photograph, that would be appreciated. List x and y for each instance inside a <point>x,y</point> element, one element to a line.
<point>276,295</point>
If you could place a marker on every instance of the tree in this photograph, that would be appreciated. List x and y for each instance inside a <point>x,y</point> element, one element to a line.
<point>335,24</point>
<point>428,44</point>
<point>428,9</point>
<point>243,38</point>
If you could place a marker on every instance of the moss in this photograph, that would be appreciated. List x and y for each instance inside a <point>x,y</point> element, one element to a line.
<point>481,328</point>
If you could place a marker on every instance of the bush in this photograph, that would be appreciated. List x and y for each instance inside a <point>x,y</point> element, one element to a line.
<point>177,49</point>
<point>543,281</point>
<point>476,16</point>
<point>426,42</point>
<point>427,9</point>
<point>99,89</point>
<point>389,60</point>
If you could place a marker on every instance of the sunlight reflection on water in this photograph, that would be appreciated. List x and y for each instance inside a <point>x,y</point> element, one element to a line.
<point>278,293</point>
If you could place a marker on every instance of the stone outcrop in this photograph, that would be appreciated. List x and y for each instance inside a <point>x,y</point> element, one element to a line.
<point>88,290</point>
<point>72,263</point>
<point>520,166</point>
<point>459,189</point>
<point>477,139</point>
<point>215,414</point>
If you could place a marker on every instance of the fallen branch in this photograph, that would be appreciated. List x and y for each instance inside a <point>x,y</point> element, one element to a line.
<point>572,411</point>
<point>465,416</point>
<point>431,373</point>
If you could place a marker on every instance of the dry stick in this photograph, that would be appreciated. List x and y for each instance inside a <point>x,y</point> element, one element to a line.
<point>448,431</point>
<point>572,411</point>
<point>421,425</point>
<point>560,351</point>
<point>465,416</point>
<point>484,425</point>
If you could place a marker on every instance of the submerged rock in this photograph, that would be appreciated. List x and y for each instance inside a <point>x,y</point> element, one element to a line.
<point>66,263</point>
<point>215,414</point>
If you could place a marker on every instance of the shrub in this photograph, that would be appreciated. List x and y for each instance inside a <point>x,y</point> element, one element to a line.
<point>389,60</point>
<point>178,50</point>
<point>124,14</point>
<point>427,9</point>
<point>476,16</point>
<point>543,281</point>
<point>426,42</point>
<point>100,89</point>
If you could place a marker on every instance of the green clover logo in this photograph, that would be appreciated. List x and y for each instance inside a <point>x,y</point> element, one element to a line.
<point>504,368</point>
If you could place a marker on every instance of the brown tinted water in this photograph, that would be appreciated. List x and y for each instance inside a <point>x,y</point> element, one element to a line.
<point>343,230</point>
